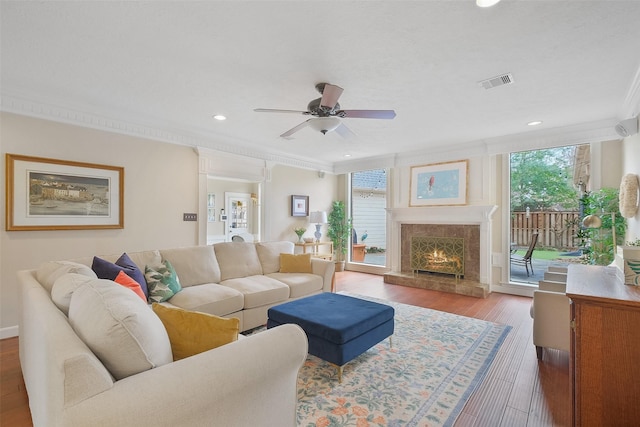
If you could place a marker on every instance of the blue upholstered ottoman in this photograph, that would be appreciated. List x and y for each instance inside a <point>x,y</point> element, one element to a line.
<point>339,328</point>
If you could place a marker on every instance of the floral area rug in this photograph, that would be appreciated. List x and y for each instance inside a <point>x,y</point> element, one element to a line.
<point>435,363</point>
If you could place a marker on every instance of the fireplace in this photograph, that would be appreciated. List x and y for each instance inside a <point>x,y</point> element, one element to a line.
<point>466,227</point>
<point>441,255</point>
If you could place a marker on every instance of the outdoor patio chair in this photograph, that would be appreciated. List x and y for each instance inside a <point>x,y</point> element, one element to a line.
<point>526,258</point>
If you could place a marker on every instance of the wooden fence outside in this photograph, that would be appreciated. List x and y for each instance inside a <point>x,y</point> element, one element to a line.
<point>555,229</point>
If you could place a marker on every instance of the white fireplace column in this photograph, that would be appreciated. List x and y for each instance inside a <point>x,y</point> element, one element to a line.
<point>464,215</point>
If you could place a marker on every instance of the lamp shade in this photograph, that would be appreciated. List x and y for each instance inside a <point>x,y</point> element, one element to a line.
<point>592,221</point>
<point>318,217</point>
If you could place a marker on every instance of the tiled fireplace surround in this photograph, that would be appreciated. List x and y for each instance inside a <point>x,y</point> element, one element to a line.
<point>473,223</point>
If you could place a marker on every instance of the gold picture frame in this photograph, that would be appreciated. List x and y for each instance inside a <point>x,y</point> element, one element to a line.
<point>52,194</point>
<point>439,184</point>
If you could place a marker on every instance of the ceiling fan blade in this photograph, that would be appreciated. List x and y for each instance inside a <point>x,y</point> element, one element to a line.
<point>368,114</point>
<point>287,134</point>
<point>271,110</point>
<point>330,95</point>
<point>344,131</point>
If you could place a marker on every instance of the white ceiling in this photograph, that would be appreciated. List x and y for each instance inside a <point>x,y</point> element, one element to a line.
<point>162,69</point>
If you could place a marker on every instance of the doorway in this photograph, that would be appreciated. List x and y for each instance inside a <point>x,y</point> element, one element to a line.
<point>544,209</point>
<point>239,217</point>
<point>369,218</point>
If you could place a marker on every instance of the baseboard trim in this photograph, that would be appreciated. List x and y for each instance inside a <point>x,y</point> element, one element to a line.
<point>10,332</point>
<point>524,291</point>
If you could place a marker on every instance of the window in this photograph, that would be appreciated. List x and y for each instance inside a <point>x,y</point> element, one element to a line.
<point>544,204</point>
<point>369,217</point>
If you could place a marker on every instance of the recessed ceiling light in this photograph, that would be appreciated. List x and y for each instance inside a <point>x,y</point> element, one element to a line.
<point>535,123</point>
<point>347,155</point>
<point>220,117</point>
<point>486,3</point>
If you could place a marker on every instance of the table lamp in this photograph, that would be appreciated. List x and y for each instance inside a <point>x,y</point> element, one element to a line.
<point>319,218</point>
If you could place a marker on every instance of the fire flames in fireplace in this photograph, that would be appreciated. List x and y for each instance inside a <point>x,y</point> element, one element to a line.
<point>438,255</point>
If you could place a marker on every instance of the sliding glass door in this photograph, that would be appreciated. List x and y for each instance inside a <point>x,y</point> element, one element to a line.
<point>368,203</point>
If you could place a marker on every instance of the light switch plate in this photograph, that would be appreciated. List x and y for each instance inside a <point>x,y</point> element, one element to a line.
<point>189,216</point>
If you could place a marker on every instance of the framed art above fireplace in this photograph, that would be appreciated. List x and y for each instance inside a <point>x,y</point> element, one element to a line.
<point>439,184</point>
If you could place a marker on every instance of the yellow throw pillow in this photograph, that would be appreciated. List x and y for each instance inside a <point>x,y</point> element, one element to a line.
<point>191,332</point>
<point>290,263</point>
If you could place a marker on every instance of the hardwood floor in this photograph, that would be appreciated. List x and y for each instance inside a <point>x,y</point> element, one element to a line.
<point>518,390</point>
<point>14,405</point>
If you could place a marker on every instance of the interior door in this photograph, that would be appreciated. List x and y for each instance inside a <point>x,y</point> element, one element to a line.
<point>238,207</point>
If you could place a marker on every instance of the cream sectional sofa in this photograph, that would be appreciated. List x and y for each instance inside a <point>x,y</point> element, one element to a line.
<point>244,383</point>
<point>233,279</point>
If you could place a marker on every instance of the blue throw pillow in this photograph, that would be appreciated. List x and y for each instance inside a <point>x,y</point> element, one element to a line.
<point>108,270</point>
<point>135,273</point>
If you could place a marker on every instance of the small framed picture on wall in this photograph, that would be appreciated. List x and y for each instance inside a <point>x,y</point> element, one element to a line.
<point>299,205</point>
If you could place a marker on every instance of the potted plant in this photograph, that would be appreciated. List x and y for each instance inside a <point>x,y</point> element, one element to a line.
<point>339,231</point>
<point>300,232</point>
<point>358,249</point>
<point>628,260</point>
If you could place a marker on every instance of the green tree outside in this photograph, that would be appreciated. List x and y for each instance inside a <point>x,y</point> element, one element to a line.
<point>543,180</point>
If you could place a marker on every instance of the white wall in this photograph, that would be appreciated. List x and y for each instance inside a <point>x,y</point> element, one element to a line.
<point>286,181</point>
<point>631,164</point>
<point>161,182</point>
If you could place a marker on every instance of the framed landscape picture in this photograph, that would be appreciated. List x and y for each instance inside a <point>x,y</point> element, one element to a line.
<point>299,205</point>
<point>50,194</point>
<point>439,184</point>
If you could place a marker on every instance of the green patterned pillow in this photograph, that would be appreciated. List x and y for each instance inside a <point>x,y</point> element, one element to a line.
<point>162,281</point>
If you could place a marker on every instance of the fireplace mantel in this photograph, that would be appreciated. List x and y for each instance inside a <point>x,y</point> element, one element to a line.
<point>443,214</point>
<point>481,215</point>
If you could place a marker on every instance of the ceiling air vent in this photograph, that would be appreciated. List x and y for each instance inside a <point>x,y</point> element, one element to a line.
<point>503,79</point>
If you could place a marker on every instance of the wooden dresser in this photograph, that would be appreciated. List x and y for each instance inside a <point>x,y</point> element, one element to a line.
<point>605,347</point>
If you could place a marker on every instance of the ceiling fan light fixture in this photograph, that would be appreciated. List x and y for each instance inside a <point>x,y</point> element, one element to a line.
<point>325,124</point>
<point>486,3</point>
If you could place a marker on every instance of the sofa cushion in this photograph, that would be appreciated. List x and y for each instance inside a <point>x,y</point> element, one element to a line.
<point>269,254</point>
<point>259,290</point>
<point>300,284</point>
<point>64,287</point>
<point>192,333</point>
<point>108,270</point>
<point>123,279</point>
<point>48,272</point>
<point>194,265</point>
<point>290,263</point>
<point>209,298</point>
<point>237,259</point>
<point>162,281</point>
<point>120,329</point>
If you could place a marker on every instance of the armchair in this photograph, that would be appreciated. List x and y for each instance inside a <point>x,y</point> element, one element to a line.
<point>550,311</point>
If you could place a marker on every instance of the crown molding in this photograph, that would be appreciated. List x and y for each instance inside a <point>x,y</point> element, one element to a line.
<point>159,132</point>
<point>631,105</point>
<point>602,130</point>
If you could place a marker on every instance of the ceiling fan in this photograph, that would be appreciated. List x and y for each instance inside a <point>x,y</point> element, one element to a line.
<point>326,113</point>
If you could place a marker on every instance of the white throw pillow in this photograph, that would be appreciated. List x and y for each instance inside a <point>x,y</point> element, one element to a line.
<point>120,329</point>
<point>48,272</point>
<point>64,287</point>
